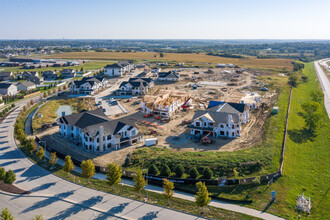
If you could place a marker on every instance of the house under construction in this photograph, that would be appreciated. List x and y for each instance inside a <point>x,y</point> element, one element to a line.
<point>166,103</point>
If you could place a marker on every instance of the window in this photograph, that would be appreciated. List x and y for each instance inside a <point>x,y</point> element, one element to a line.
<point>97,140</point>
<point>205,124</point>
<point>211,124</point>
<point>237,132</point>
<point>222,133</point>
<point>109,137</point>
<point>233,126</point>
<point>198,124</point>
<point>233,134</point>
<point>221,126</point>
<point>237,125</point>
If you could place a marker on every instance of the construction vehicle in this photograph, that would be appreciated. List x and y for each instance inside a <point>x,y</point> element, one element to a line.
<point>207,140</point>
<point>185,105</point>
<point>165,119</point>
<point>147,115</point>
<point>158,117</point>
<point>129,100</point>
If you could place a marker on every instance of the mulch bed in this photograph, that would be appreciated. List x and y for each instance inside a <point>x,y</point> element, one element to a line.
<point>12,189</point>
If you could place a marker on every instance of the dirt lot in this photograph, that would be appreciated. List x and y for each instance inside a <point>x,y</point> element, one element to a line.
<point>216,84</point>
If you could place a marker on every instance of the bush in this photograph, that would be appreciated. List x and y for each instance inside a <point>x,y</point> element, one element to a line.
<point>207,173</point>
<point>179,171</point>
<point>10,177</point>
<point>166,171</point>
<point>193,172</point>
<point>153,170</point>
<point>2,173</point>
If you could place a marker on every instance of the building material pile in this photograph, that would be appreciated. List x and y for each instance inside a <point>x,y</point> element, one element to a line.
<point>304,203</point>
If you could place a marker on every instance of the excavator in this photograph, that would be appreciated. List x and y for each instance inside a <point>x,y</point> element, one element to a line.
<point>206,140</point>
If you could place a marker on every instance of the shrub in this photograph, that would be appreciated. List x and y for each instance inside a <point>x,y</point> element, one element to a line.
<point>165,171</point>
<point>153,170</point>
<point>10,177</point>
<point>193,172</point>
<point>2,173</point>
<point>179,171</point>
<point>207,173</point>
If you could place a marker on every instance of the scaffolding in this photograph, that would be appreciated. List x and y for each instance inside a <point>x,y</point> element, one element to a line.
<point>304,203</point>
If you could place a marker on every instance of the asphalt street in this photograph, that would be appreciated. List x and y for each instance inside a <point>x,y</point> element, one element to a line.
<point>325,84</point>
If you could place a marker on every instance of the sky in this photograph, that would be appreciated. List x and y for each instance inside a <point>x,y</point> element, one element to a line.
<point>165,19</point>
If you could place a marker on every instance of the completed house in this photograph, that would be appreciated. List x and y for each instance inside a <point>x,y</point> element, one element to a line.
<point>26,86</point>
<point>5,76</point>
<point>118,69</point>
<point>68,73</point>
<point>170,76</point>
<point>35,79</point>
<point>96,132</point>
<point>167,103</point>
<point>8,89</point>
<point>135,86</point>
<point>49,75</point>
<point>88,85</point>
<point>221,120</point>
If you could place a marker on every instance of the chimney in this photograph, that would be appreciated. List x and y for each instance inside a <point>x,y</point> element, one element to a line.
<point>101,138</point>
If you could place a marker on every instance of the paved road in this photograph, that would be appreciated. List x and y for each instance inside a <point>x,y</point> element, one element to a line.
<point>56,198</point>
<point>325,84</point>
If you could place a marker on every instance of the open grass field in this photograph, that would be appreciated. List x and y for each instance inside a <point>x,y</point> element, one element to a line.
<point>306,163</point>
<point>179,57</point>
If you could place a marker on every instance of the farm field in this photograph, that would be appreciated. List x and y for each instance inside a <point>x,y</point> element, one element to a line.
<point>179,57</point>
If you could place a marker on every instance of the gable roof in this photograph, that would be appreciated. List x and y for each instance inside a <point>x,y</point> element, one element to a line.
<point>5,74</point>
<point>5,85</point>
<point>169,74</point>
<point>119,64</point>
<point>90,122</point>
<point>26,83</point>
<point>240,107</point>
<point>216,117</point>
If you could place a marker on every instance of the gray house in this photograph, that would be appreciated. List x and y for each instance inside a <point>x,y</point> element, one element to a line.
<point>26,86</point>
<point>4,76</point>
<point>68,73</point>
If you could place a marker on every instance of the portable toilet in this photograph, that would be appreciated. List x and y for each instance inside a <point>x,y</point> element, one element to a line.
<point>275,110</point>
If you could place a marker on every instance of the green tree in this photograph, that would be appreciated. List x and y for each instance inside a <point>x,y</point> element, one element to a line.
<point>168,190</point>
<point>38,217</point>
<point>6,214</point>
<point>2,173</point>
<point>10,177</point>
<point>202,196</point>
<point>207,173</point>
<point>40,153</point>
<point>53,159</point>
<point>68,164</point>
<point>312,115</point>
<point>235,173</point>
<point>161,55</point>
<point>179,171</point>
<point>165,171</point>
<point>153,170</point>
<point>293,80</point>
<point>317,96</point>
<point>30,145</point>
<point>87,169</point>
<point>113,174</point>
<point>139,182</point>
<point>193,173</point>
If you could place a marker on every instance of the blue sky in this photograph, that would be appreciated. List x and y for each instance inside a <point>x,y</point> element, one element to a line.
<point>166,19</point>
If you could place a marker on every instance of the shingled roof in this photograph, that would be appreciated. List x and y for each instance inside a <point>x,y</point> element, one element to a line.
<point>216,117</point>
<point>90,122</point>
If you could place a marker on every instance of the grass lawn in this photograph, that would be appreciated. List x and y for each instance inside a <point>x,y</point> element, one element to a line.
<point>188,58</point>
<point>48,111</point>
